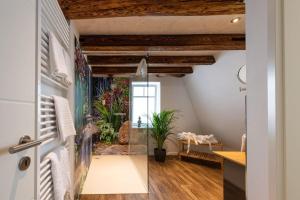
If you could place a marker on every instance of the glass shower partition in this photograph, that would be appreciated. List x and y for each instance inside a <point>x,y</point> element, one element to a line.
<point>139,121</point>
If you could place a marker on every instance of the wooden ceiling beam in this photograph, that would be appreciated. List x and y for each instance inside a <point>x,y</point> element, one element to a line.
<point>199,42</point>
<point>132,70</point>
<point>173,60</point>
<point>89,9</point>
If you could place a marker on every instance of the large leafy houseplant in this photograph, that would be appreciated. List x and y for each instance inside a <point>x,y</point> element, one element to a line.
<point>161,129</point>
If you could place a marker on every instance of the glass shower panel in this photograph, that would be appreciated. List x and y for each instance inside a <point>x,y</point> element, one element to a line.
<point>139,118</point>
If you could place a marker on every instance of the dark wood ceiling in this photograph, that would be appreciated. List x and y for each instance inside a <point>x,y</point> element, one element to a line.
<point>151,70</point>
<point>172,65</point>
<point>125,62</point>
<point>162,64</point>
<point>152,60</point>
<point>196,42</point>
<point>88,9</point>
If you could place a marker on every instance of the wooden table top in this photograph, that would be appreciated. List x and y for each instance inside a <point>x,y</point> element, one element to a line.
<point>234,156</point>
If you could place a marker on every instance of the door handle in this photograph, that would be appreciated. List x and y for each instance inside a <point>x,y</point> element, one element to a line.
<point>25,142</point>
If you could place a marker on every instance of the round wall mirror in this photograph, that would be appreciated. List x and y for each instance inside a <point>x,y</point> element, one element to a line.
<point>242,74</point>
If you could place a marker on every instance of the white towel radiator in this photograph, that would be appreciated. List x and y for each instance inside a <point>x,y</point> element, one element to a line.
<point>48,130</point>
<point>51,20</point>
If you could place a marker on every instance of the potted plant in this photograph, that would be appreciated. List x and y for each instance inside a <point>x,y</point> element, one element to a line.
<point>161,129</point>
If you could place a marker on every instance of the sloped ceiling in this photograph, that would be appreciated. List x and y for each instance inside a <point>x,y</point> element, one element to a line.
<point>217,100</point>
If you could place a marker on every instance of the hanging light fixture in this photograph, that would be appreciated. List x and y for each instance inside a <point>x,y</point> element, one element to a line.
<point>142,68</point>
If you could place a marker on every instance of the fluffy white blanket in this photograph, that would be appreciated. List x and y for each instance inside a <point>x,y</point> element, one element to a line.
<point>198,139</point>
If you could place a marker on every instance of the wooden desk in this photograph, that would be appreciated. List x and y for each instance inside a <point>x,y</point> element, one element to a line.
<point>233,156</point>
<point>239,158</point>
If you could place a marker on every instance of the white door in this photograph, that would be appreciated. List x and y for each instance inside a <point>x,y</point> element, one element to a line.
<point>17,95</point>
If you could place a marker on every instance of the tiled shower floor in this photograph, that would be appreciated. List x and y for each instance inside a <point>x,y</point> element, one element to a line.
<point>117,174</point>
<point>110,149</point>
<point>117,149</point>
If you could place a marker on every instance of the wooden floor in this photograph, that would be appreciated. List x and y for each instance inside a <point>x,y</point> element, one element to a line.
<point>176,180</point>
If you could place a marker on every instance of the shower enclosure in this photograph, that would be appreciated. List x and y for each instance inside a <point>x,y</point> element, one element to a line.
<point>140,121</point>
<point>120,111</point>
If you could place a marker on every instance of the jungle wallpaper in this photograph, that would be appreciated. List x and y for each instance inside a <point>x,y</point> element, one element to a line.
<point>83,140</point>
<point>110,105</point>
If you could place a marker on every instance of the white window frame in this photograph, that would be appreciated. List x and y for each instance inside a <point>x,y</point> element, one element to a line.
<point>156,97</point>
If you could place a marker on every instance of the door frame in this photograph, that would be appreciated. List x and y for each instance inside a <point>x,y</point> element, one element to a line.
<point>38,97</point>
<point>265,136</point>
<point>265,100</point>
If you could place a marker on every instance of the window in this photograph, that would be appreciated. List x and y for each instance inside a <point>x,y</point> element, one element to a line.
<point>145,101</point>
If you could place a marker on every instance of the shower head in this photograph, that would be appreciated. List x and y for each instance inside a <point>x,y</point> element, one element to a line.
<point>142,68</point>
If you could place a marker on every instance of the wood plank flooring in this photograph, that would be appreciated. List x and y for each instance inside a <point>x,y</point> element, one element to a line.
<point>175,180</point>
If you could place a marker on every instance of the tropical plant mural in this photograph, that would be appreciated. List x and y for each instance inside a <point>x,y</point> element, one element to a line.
<point>82,91</point>
<point>111,105</point>
<point>83,141</point>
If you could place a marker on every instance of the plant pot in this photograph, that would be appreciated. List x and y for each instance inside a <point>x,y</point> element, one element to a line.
<point>160,155</point>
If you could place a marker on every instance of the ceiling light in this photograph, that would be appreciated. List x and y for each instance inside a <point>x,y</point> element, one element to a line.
<point>235,20</point>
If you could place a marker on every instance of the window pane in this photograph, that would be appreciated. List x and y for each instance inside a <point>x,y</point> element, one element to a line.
<point>139,109</point>
<point>151,91</point>
<point>145,101</point>
<point>138,91</point>
<point>151,107</point>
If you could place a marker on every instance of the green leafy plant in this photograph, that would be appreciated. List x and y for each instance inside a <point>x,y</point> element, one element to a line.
<point>161,126</point>
<point>107,132</point>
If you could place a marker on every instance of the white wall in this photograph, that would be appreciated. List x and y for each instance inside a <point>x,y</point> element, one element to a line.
<point>292,98</point>
<point>174,96</point>
<point>210,102</point>
<point>219,105</point>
